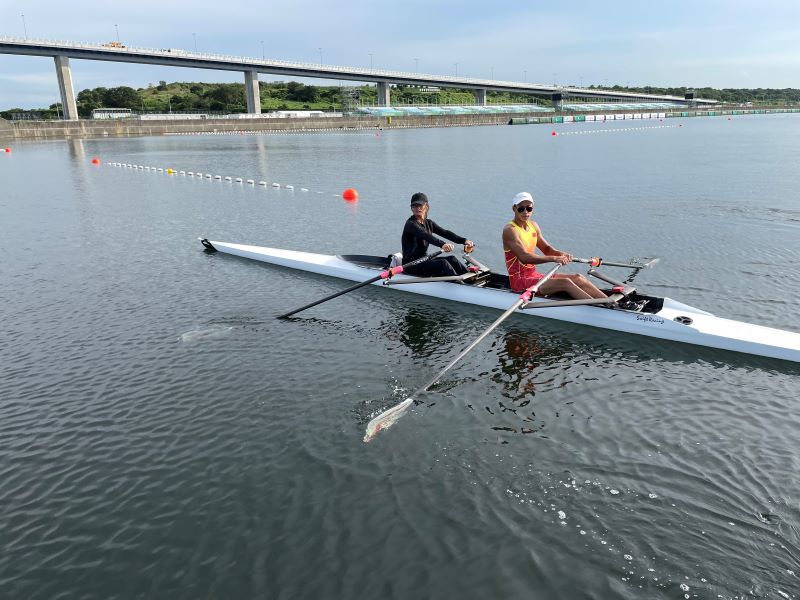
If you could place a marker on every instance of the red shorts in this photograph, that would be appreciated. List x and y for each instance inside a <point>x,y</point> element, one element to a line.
<point>522,281</point>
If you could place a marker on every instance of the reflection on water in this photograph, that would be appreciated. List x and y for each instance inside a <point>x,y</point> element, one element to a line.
<point>554,461</point>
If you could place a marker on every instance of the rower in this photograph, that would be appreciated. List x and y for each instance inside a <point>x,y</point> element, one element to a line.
<point>419,232</point>
<point>521,240</point>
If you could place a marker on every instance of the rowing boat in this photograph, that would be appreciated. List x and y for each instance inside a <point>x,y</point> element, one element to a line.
<point>627,311</point>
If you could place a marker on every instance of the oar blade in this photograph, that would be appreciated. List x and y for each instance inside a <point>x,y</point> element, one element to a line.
<point>651,263</point>
<point>386,419</point>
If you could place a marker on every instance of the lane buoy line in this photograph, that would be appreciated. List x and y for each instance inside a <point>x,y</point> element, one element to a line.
<point>616,129</point>
<point>199,175</point>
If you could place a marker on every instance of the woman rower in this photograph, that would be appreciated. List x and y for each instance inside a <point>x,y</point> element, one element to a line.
<point>419,232</point>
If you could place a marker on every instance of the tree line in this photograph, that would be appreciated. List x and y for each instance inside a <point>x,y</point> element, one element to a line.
<point>293,95</point>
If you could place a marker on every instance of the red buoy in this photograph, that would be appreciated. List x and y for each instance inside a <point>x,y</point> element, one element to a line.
<point>350,195</point>
<point>554,133</point>
<point>95,161</point>
<point>8,150</point>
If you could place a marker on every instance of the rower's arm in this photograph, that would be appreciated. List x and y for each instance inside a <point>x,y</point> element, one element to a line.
<point>446,233</point>
<point>544,246</point>
<point>512,242</point>
<point>414,229</point>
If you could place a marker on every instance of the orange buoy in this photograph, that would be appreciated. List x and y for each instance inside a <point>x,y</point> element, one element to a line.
<point>95,161</point>
<point>350,195</point>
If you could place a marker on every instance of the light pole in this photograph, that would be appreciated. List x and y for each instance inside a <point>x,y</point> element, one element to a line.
<point>555,78</point>
<point>456,65</point>
<point>116,27</point>
<point>24,27</point>
<point>320,56</point>
<point>194,37</point>
<point>262,51</point>
<point>416,65</point>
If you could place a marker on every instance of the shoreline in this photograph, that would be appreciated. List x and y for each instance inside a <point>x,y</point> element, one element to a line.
<point>64,130</point>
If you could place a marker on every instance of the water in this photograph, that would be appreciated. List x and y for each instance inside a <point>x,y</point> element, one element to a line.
<point>163,436</point>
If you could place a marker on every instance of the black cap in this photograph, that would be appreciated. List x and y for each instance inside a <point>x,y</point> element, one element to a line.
<point>419,198</point>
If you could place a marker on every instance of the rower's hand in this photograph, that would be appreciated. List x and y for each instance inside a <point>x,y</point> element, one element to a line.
<point>561,259</point>
<point>469,246</point>
<point>448,247</point>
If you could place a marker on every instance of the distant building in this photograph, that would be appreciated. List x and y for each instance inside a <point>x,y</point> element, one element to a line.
<point>112,113</point>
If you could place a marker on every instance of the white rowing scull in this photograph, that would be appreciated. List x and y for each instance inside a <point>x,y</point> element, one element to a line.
<point>626,310</point>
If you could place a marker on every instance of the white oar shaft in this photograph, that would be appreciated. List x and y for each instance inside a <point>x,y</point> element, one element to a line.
<point>388,417</point>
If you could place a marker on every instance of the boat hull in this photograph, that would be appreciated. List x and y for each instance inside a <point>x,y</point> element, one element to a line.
<point>701,328</point>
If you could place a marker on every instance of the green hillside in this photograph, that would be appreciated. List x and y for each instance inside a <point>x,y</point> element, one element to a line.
<point>223,98</point>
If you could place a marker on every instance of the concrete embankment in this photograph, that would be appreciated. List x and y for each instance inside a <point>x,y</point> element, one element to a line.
<point>55,130</point>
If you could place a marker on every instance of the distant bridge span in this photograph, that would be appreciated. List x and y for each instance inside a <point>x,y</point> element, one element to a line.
<point>62,51</point>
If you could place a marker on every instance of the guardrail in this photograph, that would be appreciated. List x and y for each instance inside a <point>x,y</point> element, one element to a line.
<point>330,69</point>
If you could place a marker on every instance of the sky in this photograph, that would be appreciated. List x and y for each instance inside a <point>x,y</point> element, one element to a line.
<point>730,43</point>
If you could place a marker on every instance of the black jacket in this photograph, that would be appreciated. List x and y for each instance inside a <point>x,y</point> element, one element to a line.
<point>416,238</point>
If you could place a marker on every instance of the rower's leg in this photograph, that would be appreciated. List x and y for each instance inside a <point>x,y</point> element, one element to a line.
<point>565,285</point>
<point>587,286</point>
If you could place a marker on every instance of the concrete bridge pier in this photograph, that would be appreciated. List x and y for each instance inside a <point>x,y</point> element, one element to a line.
<point>64,75</point>
<point>252,92</point>
<point>480,97</point>
<point>383,94</point>
<point>557,100</point>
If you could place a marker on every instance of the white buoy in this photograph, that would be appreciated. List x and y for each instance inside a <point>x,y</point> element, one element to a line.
<point>190,173</point>
<point>264,183</point>
<point>289,187</point>
<point>227,179</point>
<point>160,169</point>
<point>250,181</point>
<point>303,189</point>
<point>183,172</point>
<point>218,177</point>
<point>276,184</point>
<point>238,180</point>
<point>208,175</point>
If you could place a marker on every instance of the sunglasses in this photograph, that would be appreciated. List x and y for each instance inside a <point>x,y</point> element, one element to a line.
<point>521,209</point>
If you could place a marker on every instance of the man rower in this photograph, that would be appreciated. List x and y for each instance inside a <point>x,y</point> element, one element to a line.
<point>419,232</point>
<point>521,239</point>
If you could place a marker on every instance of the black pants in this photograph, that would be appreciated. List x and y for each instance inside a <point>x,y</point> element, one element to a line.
<point>441,266</point>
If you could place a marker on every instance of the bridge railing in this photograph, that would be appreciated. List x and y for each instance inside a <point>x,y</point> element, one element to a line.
<point>323,68</point>
<point>246,61</point>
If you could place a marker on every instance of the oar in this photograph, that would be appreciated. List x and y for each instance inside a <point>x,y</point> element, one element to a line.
<point>388,417</point>
<point>383,275</point>
<point>596,261</point>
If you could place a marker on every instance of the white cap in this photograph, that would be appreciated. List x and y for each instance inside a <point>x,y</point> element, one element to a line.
<point>522,197</point>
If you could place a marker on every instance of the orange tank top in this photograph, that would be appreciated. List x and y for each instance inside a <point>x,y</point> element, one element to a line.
<point>529,238</point>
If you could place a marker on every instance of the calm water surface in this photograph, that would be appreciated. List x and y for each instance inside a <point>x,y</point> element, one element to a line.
<point>164,436</point>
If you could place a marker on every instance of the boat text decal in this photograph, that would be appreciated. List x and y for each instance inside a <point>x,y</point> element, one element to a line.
<point>650,318</point>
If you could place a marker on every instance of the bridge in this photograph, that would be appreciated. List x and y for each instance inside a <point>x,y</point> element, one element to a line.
<point>63,51</point>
